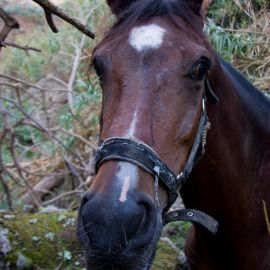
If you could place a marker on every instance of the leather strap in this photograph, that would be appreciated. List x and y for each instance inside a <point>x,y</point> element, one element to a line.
<point>140,154</point>
<point>143,156</point>
<point>210,94</point>
<point>192,215</point>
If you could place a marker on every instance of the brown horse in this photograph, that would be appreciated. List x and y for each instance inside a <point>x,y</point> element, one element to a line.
<point>156,70</point>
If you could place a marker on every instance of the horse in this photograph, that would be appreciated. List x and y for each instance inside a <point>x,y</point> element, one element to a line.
<point>176,119</point>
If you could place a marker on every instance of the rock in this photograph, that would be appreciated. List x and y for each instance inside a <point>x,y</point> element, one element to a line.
<point>5,247</point>
<point>167,256</point>
<point>47,240</point>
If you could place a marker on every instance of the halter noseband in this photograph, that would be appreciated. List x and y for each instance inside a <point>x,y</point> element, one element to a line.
<point>140,154</point>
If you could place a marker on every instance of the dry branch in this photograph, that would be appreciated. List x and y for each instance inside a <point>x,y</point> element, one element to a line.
<point>36,180</point>
<point>50,9</point>
<point>43,187</point>
<point>24,48</point>
<point>10,23</point>
<point>2,44</point>
<point>29,84</point>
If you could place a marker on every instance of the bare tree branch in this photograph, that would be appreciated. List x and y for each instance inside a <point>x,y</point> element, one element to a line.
<point>40,126</point>
<point>24,48</point>
<point>50,8</point>
<point>2,44</point>
<point>16,117</point>
<point>29,84</point>
<point>10,23</point>
<point>69,193</point>
<point>43,187</point>
<point>77,58</point>
<point>78,137</point>
<point>7,192</point>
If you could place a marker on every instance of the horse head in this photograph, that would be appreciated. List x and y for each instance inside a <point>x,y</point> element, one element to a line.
<point>152,66</point>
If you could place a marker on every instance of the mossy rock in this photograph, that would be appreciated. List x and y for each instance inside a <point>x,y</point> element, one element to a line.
<point>48,241</point>
<point>167,256</point>
<point>40,240</point>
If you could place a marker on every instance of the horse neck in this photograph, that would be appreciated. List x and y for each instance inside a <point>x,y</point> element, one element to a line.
<point>241,121</point>
<point>235,164</point>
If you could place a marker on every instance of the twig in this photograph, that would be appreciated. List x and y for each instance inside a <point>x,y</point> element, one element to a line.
<point>44,186</point>
<point>78,137</point>
<point>9,84</point>
<point>50,76</point>
<point>7,192</point>
<point>3,181</point>
<point>242,31</point>
<point>24,48</point>
<point>73,170</point>
<point>10,23</point>
<point>50,8</point>
<point>17,165</point>
<point>20,81</point>
<point>2,44</point>
<point>43,128</point>
<point>31,85</point>
<point>76,63</point>
<point>13,177</point>
<point>63,195</point>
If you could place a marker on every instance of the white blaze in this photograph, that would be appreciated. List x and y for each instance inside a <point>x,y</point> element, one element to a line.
<point>132,128</point>
<point>146,37</point>
<point>128,179</point>
<point>125,189</point>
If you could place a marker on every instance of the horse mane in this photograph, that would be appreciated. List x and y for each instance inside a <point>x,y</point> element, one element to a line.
<point>143,10</point>
<point>248,91</point>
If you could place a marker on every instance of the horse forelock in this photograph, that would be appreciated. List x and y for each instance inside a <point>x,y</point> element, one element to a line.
<point>144,10</point>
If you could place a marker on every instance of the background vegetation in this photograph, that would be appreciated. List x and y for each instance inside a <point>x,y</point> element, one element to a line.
<point>49,101</point>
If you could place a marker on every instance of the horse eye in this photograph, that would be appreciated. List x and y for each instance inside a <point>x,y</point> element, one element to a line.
<point>199,70</point>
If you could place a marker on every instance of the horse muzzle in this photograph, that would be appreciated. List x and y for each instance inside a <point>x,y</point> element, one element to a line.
<point>118,226</point>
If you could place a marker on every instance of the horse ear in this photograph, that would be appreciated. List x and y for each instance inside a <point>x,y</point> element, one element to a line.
<point>205,6</point>
<point>118,6</point>
<point>201,6</point>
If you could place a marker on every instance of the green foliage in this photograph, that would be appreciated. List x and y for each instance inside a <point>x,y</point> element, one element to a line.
<point>236,13</point>
<point>228,44</point>
<point>177,232</point>
<point>34,67</point>
<point>57,57</point>
<point>41,236</point>
<point>86,96</point>
<point>225,17</point>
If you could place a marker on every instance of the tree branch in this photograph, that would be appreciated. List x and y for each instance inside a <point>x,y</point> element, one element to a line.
<point>50,9</point>
<point>24,48</point>
<point>10,23</point>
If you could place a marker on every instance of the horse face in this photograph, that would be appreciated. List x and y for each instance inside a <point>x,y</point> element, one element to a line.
<point>152,76</point>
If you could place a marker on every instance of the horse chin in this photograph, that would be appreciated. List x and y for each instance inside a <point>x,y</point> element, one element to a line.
<point>121,260</point>
<point>138,254</point>
<point>124,262</point>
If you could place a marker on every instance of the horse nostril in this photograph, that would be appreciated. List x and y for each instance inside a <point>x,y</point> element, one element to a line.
<point>106,221</point>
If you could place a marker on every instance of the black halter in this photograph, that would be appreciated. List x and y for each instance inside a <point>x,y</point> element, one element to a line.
<point>140,154</point>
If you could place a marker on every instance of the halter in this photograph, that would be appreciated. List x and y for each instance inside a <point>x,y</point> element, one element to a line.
<point>143,156</point>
